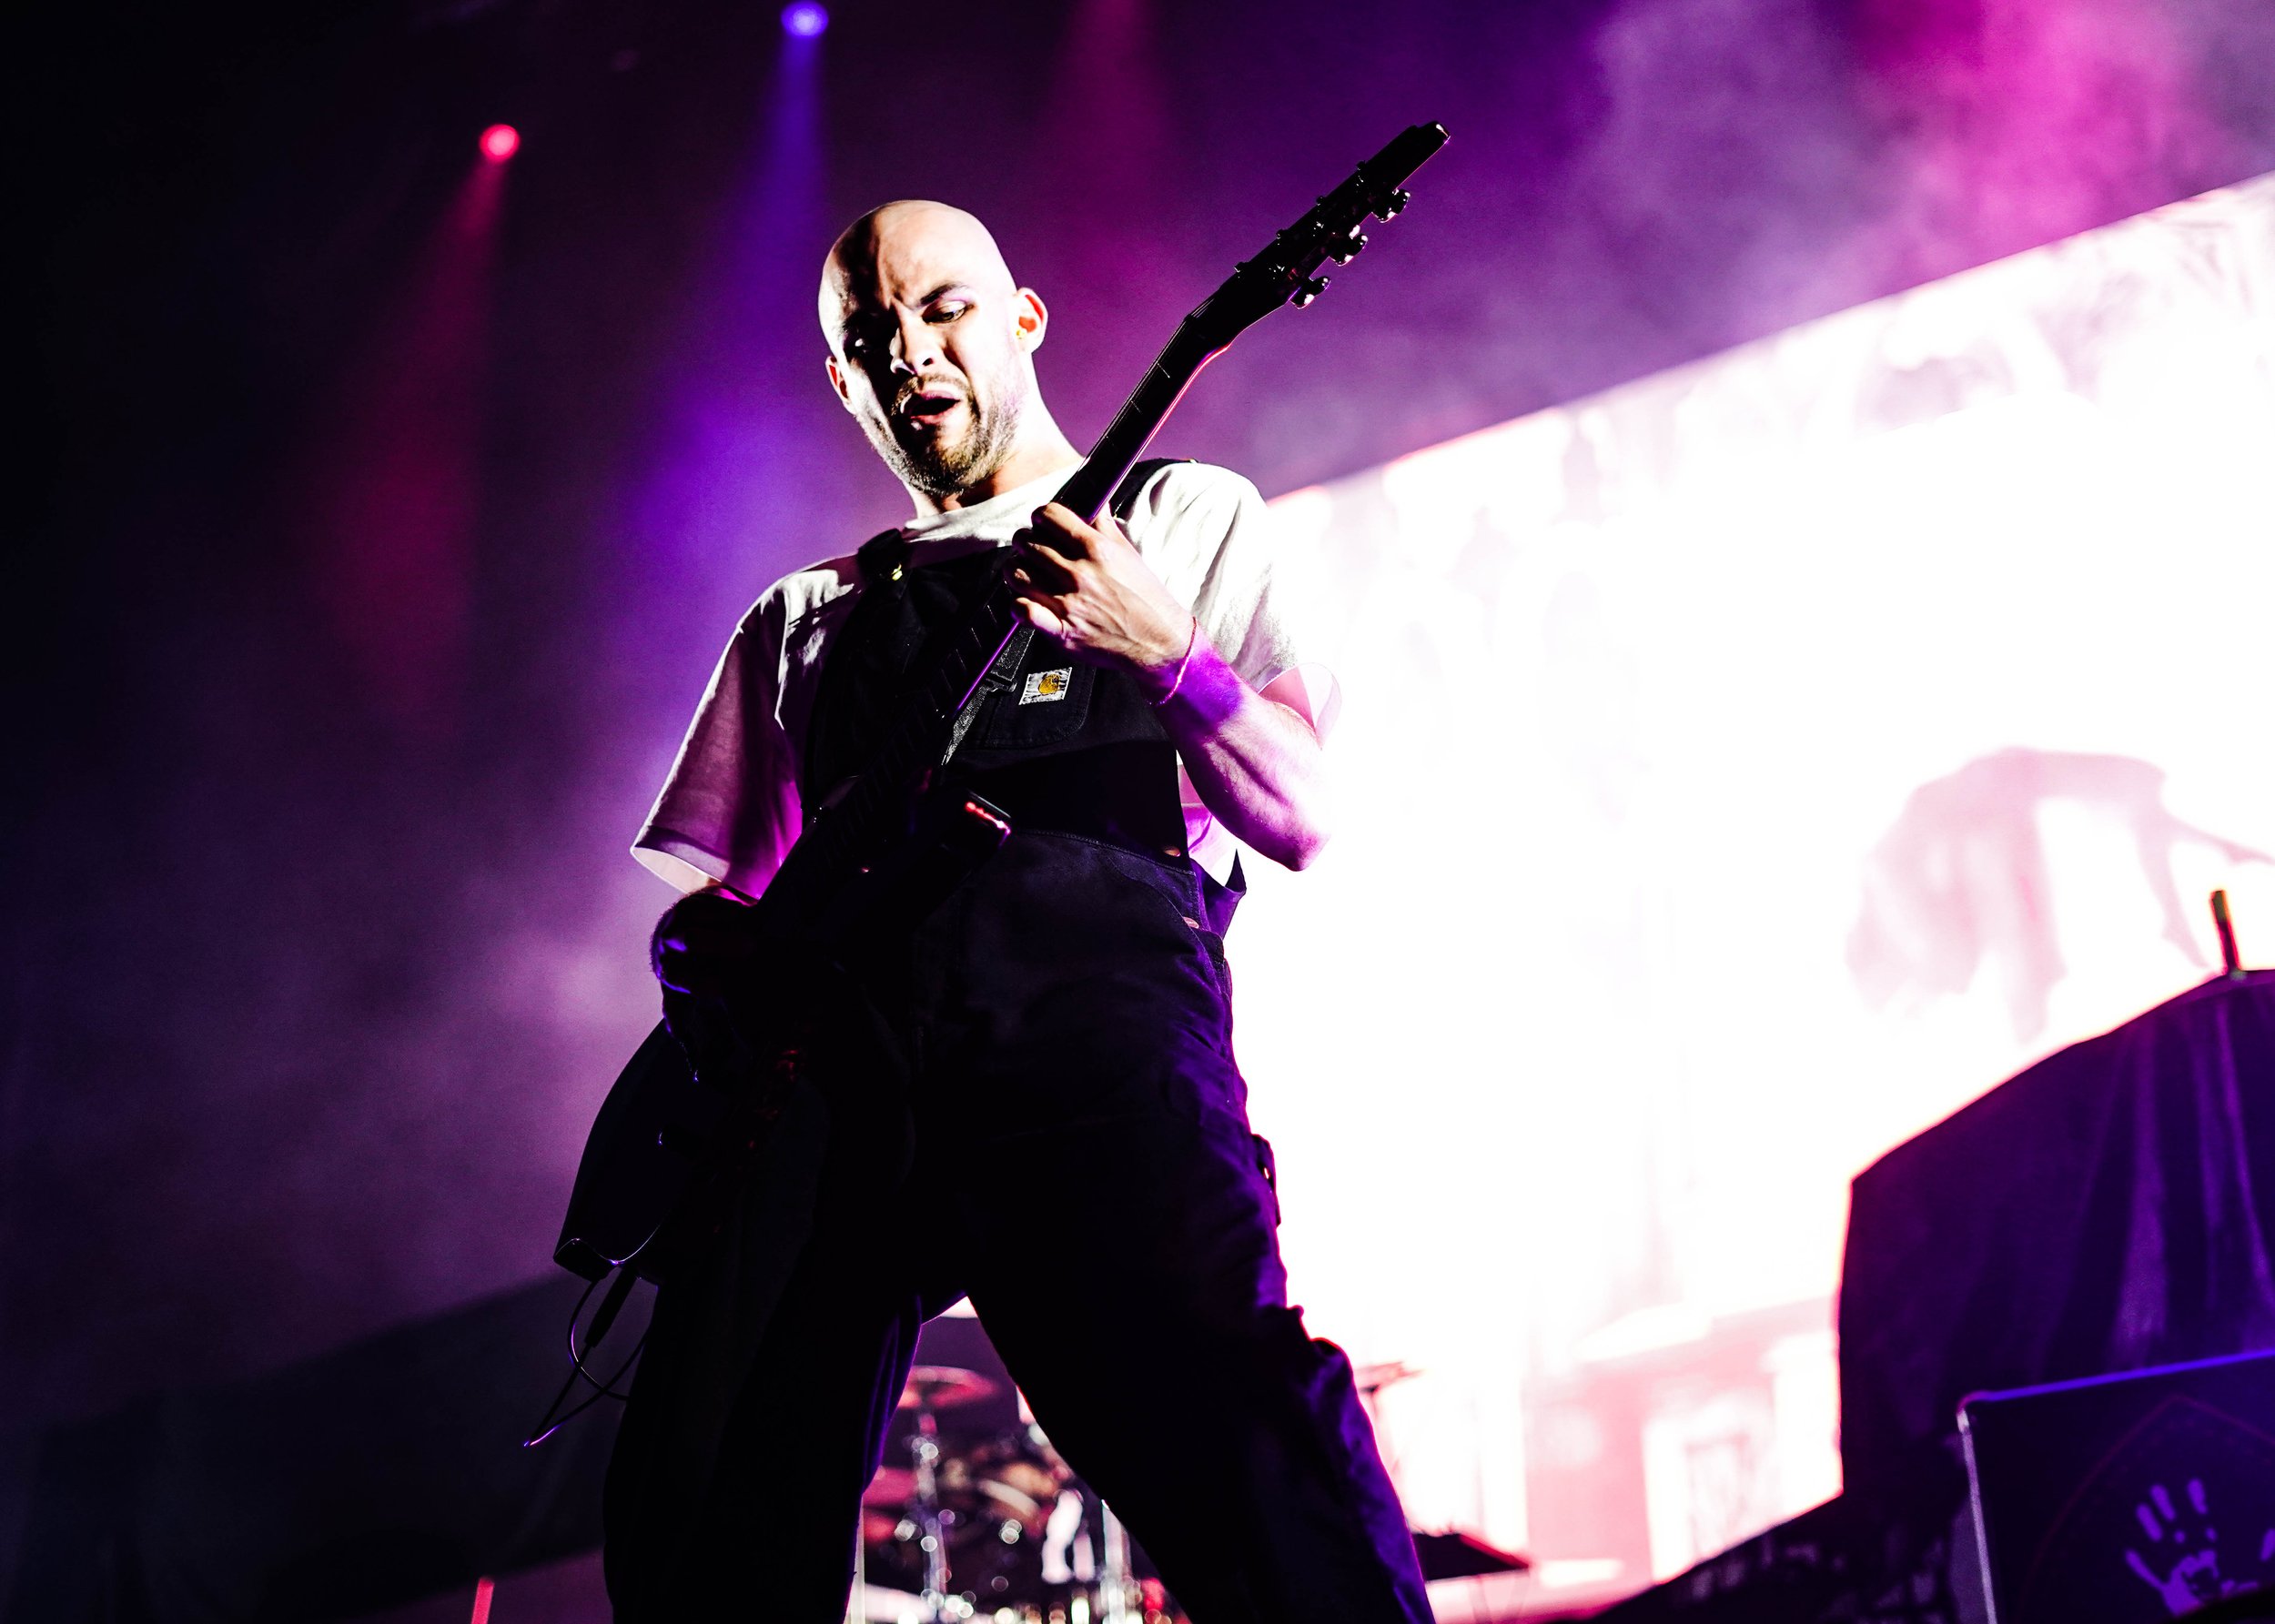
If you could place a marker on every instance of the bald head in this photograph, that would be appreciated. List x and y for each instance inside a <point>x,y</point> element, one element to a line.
<point>931,348</point>
<point>905,242</point>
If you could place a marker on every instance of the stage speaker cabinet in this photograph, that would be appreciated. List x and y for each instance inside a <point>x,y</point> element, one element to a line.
<point>2127,1499</point>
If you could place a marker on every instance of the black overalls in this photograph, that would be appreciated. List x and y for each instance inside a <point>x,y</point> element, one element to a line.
<point>1074,1154</point>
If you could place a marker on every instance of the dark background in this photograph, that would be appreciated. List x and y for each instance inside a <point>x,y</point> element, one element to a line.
<point>321,939</point>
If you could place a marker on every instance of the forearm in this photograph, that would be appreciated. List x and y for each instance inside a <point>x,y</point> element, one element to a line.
<point>1257,765</point>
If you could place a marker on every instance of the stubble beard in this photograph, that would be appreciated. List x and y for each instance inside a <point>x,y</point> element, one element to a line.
<point>940,465</point>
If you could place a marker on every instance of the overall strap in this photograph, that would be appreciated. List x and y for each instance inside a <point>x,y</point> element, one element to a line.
<point>1125,496</point>
<point>858,693</point>
<point>883,557</point>
<point>1002,674</point>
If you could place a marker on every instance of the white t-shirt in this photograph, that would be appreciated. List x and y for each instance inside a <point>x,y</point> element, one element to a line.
<point>730,808</point>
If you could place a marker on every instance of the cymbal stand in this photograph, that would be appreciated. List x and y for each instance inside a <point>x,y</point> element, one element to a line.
<point>1114,1579</point>
<point>924,1447</point>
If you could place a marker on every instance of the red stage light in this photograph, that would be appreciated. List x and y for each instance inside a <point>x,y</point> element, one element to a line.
<point>501,142</point>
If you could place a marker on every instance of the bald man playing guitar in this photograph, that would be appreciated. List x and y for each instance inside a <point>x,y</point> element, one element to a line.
<point>1060,1021</point>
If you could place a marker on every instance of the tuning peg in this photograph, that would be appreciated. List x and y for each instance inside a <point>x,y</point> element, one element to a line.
<point>1307,291</point>
<point>1394,205</point>
<point>1344,252</point>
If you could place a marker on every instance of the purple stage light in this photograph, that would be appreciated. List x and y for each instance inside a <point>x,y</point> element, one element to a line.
<point>805,20</point>
<point>501,142</point>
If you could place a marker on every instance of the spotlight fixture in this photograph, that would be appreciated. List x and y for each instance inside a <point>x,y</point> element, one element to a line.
<point>501,142</point>
<point>805,20</point>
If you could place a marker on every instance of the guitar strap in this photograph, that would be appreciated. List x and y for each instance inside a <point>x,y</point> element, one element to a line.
<point>1000,676</point>
<point>1004,671</point>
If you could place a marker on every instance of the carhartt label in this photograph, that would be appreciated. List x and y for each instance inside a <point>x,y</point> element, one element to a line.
<point>1045,686</point>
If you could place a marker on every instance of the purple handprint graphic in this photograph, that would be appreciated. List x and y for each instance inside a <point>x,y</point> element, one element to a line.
<point>2184,1566</point>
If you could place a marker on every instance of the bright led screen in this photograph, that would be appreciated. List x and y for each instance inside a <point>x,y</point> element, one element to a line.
<point>1745,768</point>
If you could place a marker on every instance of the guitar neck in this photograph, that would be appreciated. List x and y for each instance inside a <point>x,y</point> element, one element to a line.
<point>1092,486</point>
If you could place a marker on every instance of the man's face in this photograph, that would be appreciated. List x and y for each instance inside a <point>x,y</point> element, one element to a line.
<point>929,342</point>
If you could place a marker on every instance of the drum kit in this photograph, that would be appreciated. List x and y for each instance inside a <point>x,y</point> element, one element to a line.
<point>998,1531</point>
<point>1000,1528</point>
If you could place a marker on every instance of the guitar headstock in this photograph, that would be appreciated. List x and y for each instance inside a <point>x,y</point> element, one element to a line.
<point>1287,271</point>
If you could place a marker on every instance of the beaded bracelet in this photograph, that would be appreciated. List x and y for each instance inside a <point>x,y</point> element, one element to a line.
<point>1177,682</point>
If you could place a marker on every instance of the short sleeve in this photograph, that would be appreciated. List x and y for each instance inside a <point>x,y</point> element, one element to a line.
<point>1209,536</point>
<point>729,810</point>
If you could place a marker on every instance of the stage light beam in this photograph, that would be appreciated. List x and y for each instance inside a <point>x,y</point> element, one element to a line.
<point>501,142</point>
<point>805,20</point>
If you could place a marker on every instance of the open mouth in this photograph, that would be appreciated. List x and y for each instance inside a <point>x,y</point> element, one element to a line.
<point>928,410</point>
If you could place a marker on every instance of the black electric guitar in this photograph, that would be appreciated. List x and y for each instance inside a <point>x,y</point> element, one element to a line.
<point>661,1134</point>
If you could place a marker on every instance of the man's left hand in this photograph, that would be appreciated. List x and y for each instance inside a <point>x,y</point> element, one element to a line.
<point>1086,589</point>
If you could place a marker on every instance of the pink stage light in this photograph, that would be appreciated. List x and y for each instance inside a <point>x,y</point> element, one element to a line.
<point>805,20</point>
<point>501,142</point>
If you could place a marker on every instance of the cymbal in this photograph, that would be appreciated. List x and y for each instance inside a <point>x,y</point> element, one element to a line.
<point>1373,1379</point>
<point>877,1527</point>
<point>894,1489</point>
<point>943,1387</point>
<point>1457,1554</point>
<point>893,1486</point>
